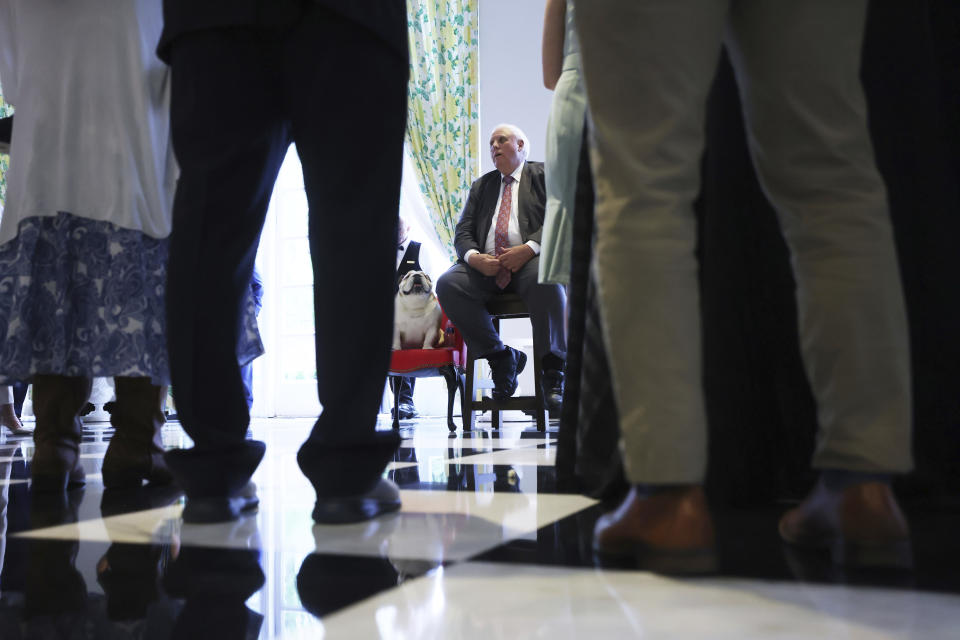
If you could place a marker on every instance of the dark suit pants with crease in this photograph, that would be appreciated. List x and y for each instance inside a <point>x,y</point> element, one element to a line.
<point>240,97</point>
<point>463,293</point>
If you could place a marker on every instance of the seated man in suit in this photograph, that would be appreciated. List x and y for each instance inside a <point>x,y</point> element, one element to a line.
<point>498,246</point>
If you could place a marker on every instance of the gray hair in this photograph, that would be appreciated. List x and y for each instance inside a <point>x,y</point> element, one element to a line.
<point>518,133</point>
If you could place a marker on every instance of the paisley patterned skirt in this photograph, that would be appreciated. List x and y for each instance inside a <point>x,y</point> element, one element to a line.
<point>80,297</point>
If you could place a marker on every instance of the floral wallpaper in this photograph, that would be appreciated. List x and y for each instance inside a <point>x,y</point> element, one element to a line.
<point>443,109</point>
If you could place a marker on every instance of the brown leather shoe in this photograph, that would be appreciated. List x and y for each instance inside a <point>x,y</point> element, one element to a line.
<point>669,532</point>
<point>861,525</point>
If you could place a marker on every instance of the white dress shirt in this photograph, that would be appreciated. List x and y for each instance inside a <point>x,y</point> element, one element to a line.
<point>513,229</point>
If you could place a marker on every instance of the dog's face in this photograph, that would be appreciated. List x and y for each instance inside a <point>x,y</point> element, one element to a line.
<point>417,313</point>
<point>416,288</point>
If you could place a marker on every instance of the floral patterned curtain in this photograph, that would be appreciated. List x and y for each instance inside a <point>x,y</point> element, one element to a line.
<point>5,110</point>
<point>443,110</point>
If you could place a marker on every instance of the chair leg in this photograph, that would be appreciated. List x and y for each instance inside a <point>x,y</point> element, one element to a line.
<point>538,390</point>
<point>469,417</point>
<point>466,416</point>
<point>396,406</point>
<point>450,375</point>
<point>495,413</point>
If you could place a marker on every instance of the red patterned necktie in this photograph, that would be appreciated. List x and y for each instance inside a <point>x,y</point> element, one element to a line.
<point>501,241</point>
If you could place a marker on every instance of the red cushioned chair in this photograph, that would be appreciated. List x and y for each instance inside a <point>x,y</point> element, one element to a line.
<point>449,361</point>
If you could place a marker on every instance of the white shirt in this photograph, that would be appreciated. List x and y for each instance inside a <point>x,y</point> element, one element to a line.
<point>513,228</point>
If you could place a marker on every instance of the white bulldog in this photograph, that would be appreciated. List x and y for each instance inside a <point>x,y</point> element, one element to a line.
<point>417,315</point>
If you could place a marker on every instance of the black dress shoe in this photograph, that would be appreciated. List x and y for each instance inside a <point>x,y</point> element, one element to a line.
<point>384,497</point>
<point>347,478</point>
<point>407,411</point>
<point>552,382</point>
<point>217,483</point>
<point>505,366</point>
<point>210,509</point>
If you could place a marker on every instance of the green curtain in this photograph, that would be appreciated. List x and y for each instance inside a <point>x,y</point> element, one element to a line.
<point>443,109</point>
<point>5,110</point>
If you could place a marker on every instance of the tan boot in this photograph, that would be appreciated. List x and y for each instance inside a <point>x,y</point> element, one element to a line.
<point>861,524</point>
<point>669,531</point>
<point>57,401</point>
<point>135,452</point>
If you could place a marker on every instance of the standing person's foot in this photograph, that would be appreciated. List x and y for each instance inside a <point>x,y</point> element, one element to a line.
<point>11,423</point>
<point>668,530</point>
<point>407,411</point>
<point>505,366</point>
<point>356,494</point>
<point>861,524</point>
<point>217,482</point>
<point>552,382</point>
<point>383,497</point>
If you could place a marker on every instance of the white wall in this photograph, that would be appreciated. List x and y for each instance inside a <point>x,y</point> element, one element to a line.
<point>511,77</point>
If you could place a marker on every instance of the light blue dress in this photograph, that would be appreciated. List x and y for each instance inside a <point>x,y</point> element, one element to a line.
<point>564,137</point>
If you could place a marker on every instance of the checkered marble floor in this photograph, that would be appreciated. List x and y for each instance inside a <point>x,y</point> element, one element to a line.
<point>484,547</point>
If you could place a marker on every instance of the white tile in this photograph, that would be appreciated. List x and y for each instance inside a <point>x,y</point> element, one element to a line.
<point>521,601</point>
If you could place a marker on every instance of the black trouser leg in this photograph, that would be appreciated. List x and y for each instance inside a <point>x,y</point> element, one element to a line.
<point>346,91</point>
<point>402,387</point>
<point>229,148</point>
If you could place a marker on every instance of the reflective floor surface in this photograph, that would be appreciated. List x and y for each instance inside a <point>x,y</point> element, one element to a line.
<point>484,547</point>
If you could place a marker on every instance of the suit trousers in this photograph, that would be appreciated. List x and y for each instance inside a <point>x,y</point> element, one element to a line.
<point>648,67</point>
<point>403,386</point>
<point>240,97</point>
<point>463,293</point>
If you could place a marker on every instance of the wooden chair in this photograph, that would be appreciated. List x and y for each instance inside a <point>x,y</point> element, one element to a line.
<point>502,307</point>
